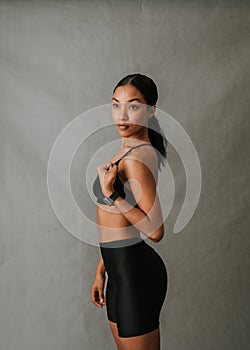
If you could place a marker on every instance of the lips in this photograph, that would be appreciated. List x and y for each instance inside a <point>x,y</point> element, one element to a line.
<point>123,126</point>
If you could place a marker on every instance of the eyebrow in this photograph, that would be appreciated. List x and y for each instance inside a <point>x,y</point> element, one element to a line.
<point>132,99</point>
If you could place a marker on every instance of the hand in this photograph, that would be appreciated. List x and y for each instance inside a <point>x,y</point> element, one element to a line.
<point>107,175</point>
<point>97,295</point>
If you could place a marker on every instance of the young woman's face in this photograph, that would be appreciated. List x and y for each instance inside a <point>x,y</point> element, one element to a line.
<point>129,108</point>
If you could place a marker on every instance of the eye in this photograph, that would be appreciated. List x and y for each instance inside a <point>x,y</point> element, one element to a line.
<point>134,107</point>
<point>114,105</point>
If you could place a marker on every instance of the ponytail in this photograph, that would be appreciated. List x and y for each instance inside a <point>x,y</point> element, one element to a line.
<point>158,140</point>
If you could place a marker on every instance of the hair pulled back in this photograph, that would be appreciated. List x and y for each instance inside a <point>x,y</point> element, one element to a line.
<point>149,90</point>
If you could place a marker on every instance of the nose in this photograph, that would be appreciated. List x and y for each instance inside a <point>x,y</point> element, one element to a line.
<point>123,113</point>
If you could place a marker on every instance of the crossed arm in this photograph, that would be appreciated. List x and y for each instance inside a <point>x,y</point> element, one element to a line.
<point>148,217</point>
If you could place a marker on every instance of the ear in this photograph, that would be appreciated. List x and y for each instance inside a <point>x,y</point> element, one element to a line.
<point>151,111</point>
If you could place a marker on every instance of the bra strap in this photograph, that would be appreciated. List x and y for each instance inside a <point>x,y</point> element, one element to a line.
<point>142,144</point>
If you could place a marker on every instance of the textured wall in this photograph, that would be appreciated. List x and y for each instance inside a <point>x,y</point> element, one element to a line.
<point>61,58</point>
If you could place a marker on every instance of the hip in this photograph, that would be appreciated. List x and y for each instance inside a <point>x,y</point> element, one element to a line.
<point>132,256</point>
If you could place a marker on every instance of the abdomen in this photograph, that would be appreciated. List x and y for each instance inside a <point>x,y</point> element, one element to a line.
<point>113,225</point>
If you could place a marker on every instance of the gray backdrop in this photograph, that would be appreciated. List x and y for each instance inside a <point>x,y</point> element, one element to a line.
<point>61,58</point>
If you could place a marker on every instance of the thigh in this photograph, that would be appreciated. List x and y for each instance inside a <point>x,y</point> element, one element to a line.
<point>140,296</point>
<point>149,341</point>
<point>114,329</point>
<point>136,290</point>
<point>111,299</point>
<point>136,313</point>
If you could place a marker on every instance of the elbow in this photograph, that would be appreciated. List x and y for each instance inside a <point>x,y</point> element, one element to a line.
<point>157,235</point>
<point>156,239</point>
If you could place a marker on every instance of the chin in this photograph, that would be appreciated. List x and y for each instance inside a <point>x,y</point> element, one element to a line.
<point>129,131</point>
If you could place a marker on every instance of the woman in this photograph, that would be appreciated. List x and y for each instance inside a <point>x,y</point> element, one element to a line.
<point>127,204</point>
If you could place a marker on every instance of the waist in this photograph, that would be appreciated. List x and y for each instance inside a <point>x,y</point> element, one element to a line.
<point>114,226</point>
<point>129,257</point>
<point>121,242</point>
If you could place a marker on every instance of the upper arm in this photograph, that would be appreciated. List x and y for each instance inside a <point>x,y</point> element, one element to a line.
<point>142,178</point>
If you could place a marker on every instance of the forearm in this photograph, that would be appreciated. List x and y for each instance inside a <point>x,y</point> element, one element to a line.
<point>137,217</point>
<point>100,270</point>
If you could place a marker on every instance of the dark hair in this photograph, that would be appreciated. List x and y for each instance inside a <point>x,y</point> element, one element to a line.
<point>149,90</point>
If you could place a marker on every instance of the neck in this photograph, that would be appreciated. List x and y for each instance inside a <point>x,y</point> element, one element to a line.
<point>131,142</point>
<point>136,139</point>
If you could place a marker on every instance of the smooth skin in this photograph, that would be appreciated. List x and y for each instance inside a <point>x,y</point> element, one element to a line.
<point>139,172</point>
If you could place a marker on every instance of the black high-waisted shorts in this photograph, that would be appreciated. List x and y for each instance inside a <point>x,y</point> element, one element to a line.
<point>136,286</point>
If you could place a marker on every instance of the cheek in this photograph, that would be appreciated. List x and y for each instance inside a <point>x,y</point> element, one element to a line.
<point>140,119</point>
<point>134,117</point>
<point>115,114</point>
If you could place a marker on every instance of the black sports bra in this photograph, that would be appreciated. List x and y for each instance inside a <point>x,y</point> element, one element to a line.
<point>118,185</point>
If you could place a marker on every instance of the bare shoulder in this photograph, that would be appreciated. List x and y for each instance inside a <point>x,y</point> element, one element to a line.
<point>145,155</point>
<point>146,151</point>
<point>120,154</point>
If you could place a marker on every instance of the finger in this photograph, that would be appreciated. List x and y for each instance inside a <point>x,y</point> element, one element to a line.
<point>98,298</point>
<point>102,298</point>
<point>109,166</point>
<point>95,298</point>
<point>113,167</point>
<point>112,171</point>
<point>97,303</point>
<point>104,166</point>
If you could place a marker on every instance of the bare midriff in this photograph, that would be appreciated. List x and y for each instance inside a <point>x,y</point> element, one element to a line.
<point>112,225</point>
